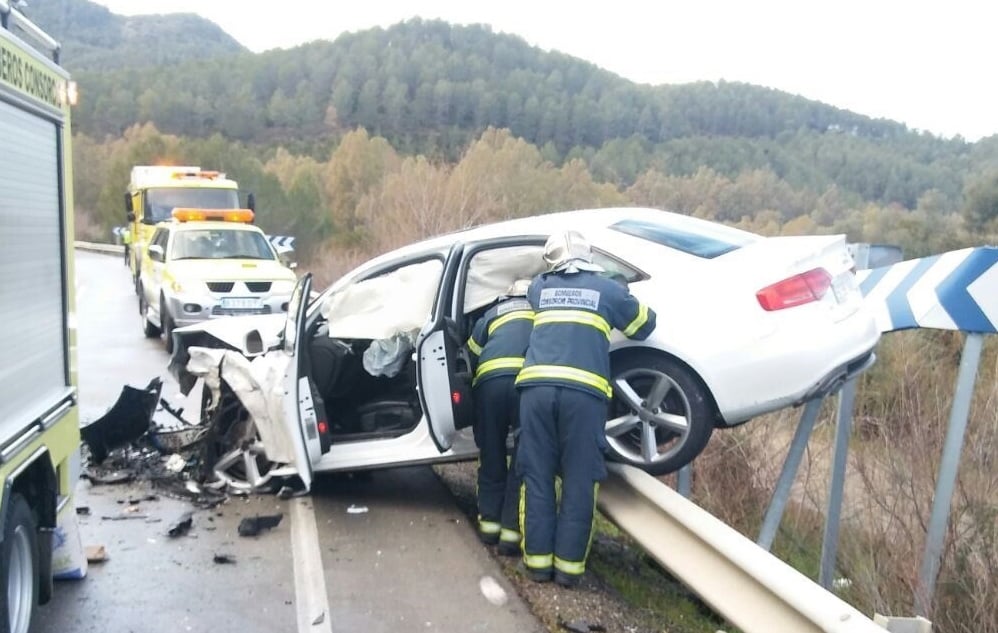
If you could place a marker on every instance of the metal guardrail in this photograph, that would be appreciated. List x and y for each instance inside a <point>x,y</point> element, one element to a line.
<point>96,247</point>
<point>752,589</point>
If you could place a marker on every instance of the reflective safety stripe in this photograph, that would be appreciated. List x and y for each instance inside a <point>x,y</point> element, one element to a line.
<point>577,568</point>
<point>638,321</point>
<point>475,348</point>
<point>538,561</point>
<point>570,567</point>
<point>506,318</point>
<point>504,362</point>
<point>592,526</point>
<point>580,317</point>
<point>521,509</point>
<point>509,536</point>
<point>488,527</point>
<point>561,372</point>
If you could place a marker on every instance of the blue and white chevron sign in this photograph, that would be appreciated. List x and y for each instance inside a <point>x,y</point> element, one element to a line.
<point>282,241</point>
<point>957,290</point>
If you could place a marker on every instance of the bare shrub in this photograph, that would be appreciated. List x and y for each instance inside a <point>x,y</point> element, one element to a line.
<point>331,262</point>
<point>87,228</point>
<point>733,476</point>
<point>902,413</point>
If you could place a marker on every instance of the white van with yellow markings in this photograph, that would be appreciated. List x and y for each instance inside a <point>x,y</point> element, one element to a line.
<point>206,264</point>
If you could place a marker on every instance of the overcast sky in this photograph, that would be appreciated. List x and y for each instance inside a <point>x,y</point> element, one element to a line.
<point>930,65</point>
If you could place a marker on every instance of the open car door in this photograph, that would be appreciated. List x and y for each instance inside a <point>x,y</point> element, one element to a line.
<point>444,394</point>
<point>299,410</point>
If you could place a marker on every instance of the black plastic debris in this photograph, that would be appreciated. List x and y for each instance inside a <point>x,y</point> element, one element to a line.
<point>177,413</point>
<point>224,559</point>
<point>109,478</point>
<point>129,419</point>
<point>251,526</point>
<point>182,526</point>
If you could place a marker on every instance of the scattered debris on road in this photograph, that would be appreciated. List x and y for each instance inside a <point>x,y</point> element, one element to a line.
<point>181,526</point>
<point>203,461</point>
<point>493,591</point>
<point>356,509</point>
<point>251,526</point>
<point>124,517</point>
<point>224,559</point>
<point>95,553</point>
<point>128,419</point>
<point>109,478</point>
<point>581,625</point>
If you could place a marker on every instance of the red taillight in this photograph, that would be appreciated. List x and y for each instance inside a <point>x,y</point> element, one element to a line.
<point>456,397</point>
<point>323,427</point>
<point>796,290</point>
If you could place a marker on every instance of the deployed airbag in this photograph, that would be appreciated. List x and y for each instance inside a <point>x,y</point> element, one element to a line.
<point>384,306</point>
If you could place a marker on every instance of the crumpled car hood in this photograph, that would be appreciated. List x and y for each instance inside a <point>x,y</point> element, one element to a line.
<point>250,335</point>
<point>259,386</point>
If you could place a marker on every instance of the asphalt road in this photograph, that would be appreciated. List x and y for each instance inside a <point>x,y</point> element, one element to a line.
<point>386,552</point>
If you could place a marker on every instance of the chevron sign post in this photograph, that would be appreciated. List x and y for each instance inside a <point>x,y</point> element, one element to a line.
<point>282,242</point>
<point>957,290</point>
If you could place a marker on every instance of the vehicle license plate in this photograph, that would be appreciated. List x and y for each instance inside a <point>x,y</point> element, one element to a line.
<point>844,286</point>
<point>240,303</point>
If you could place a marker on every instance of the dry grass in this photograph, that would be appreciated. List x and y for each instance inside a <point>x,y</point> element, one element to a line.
<point>901,420</point>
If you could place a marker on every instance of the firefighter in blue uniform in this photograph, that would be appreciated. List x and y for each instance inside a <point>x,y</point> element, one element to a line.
<point>498,343</point>
<point>564,392</point>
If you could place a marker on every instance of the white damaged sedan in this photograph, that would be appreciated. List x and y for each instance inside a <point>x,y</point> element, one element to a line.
<point>372,372</point>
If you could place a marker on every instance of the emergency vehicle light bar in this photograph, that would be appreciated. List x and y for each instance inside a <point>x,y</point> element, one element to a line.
<point>208,175</point>
<point>201,215</point>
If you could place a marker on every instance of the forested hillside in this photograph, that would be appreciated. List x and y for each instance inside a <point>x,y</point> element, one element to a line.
<point>431,88</point>
<point>443,101</point>
<point>94,39</point>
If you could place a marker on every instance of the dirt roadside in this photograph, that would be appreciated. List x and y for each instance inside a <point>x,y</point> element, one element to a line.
<point>596,605</point>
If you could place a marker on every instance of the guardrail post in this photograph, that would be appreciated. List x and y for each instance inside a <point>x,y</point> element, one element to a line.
<point>948,466</point>
<point>774,514</point>
<point>684,480</point>
<point>843,430</point>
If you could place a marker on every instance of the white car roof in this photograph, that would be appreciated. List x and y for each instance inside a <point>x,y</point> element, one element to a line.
<point>589,222</point>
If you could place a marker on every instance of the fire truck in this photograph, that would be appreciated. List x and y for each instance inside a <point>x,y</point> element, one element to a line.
<point>39,421</point>
<point>154,191</point>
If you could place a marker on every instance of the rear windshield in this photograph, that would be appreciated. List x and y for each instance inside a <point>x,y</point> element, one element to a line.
<point>693,236</point>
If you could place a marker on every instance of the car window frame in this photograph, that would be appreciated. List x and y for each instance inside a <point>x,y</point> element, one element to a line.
<point>313,313</point>
<point>473,248</point>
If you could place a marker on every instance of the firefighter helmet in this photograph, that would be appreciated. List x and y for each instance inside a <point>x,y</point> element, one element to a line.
<point>567,246</point>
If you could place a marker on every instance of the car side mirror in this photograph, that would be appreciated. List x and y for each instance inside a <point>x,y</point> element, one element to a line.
<point>251,202</point>
<point>155,252</point>
<point>287,256</point>
<point>128,203</point>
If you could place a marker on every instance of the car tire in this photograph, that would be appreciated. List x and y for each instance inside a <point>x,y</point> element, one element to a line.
<point>19,569</point>
<point>166,325</point>
<point>150,330</point>
<point>658,437</point>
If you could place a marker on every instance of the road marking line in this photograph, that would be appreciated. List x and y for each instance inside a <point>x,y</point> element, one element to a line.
<point>310,581</point>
